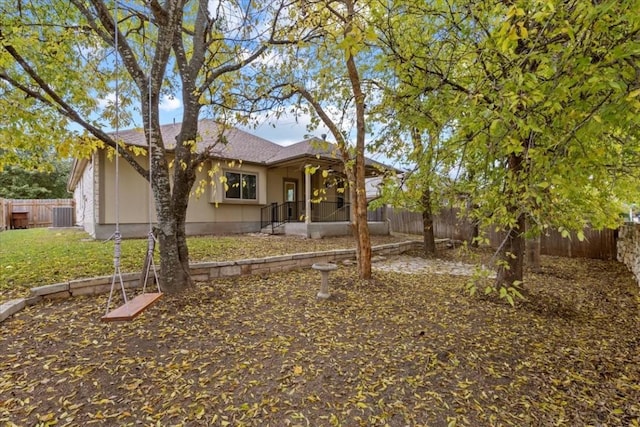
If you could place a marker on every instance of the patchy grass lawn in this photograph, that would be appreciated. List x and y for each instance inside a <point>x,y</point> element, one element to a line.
<point>401,351</point>
<point>40,256</point>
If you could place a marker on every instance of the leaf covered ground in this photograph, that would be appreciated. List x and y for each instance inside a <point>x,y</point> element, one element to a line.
<point>401,350</point>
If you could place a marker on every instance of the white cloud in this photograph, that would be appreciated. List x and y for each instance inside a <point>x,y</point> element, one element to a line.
<point>107,101</point>
<point>230,14</point>
<point>286,130</point>
<point>169,103</point>
<point>272,58</point>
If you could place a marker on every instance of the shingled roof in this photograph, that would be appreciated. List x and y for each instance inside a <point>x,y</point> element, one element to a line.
<point>242,145</point>
<point>308,148</point>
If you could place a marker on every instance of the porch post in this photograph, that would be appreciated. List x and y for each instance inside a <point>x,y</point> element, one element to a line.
<point>307,194</point>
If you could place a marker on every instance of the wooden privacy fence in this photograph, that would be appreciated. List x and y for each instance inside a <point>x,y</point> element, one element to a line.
<point>31,213</point>
<point>597,244</point>
<point>446,225</point>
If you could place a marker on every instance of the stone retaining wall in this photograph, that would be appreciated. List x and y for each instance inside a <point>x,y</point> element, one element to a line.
<point>201,272</point>
<point>629,248</point>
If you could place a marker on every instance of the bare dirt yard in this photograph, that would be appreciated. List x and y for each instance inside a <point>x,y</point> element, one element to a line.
<point>403,350</point>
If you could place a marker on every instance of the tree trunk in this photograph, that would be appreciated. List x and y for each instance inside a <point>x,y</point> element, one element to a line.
<point>512,251</point>
<point>363,238</point>
<point>475,224</point>
<point>183,182</point>
<point>172,201</point>
<point>512,256</point>
<point>427,223</point>
<point>174,278</point>
<point>475,233</point>
<point>184,178</point>
<point>361,226</point>
<point>174,258</point>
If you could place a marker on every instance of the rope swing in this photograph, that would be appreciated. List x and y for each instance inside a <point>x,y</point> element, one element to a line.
<point>149,263</point>
<point>131,308</point>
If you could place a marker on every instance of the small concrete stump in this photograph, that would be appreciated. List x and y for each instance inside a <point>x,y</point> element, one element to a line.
<point>324,268</point>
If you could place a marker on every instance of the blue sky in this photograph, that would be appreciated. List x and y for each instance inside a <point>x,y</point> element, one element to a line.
<point>286,131</point>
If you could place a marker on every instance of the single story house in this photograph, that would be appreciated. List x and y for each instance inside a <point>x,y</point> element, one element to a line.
<point>269,188</point>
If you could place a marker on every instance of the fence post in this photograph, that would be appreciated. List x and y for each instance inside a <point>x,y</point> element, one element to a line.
<point>9,210</point>
<point>3,220</point>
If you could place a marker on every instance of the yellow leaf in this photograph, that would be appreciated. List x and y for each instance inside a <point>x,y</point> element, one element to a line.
<point>297,370</point>
<point>200,412</point>
<point>523,30</point>
<point>633,94</point>
<point>134,385</point>
<point>47,417</point>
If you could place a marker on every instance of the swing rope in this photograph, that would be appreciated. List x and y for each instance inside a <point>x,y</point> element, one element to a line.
<point>150,264</point>
<point>131,308</point>
<point>117,237</point>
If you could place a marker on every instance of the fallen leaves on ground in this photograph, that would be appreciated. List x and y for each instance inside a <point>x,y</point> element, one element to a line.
<point>401,350</point>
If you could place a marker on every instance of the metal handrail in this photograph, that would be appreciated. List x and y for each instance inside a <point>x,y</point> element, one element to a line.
<point>277,214</point>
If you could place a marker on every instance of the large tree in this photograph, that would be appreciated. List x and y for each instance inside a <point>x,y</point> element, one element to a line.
<point>551,86</point>
<point>48,181</point>
<point>331,78</point>
<point>57,60</point>
<point>547,96</point>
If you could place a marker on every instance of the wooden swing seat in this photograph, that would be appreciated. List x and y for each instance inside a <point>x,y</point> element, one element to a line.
<point>132,308</point>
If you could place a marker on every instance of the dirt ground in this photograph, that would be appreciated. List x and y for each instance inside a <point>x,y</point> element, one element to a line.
<point>403,350</point>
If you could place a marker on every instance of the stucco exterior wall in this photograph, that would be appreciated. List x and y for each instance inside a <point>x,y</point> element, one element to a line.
<point>207,204</point>
<point>133,204</point>
<point>275,183</point>
<point>85,197</point>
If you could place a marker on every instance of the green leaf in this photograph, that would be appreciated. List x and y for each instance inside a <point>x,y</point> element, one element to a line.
<point>503,292</point>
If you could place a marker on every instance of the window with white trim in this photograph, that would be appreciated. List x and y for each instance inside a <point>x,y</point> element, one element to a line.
<point>241,186</point>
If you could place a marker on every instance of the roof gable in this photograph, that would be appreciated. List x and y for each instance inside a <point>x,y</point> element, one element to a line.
<point>312,147</point>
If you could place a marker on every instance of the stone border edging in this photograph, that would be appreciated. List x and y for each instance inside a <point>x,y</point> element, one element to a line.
<point>200,272</point>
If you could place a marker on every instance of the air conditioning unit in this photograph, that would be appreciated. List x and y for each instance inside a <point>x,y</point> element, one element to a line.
<point>63,216</point>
